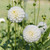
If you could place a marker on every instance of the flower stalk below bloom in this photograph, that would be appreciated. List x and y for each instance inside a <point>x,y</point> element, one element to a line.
<point>15,36</point>
<point>38,13</point>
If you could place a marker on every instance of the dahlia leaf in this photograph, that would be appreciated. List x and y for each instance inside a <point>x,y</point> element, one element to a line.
<point>48,49</point>
<point>47,44</point>
<point>40,46</point>
<point>46,35</point>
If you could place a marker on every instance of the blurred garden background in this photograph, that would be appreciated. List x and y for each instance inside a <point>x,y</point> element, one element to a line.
<point>44,10</point>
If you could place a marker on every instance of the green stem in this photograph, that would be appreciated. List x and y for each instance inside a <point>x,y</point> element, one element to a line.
<point>24,10</point>
<point>20,3</point>
<point>15,36</point>
<point>43,21</point>
<point>22,21</point>
<point>5,49</point>
<point>8,29</point>
<point>30,47</point>
<point>15,3</point>
<point>8,35</point>
<point>38,13</point>
<point>34,14</point>
<point>25,5</point>
<point>12,3</point>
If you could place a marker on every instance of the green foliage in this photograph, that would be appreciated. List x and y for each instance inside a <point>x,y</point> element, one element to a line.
<point>46,35</point>
<point>20,42</point>
<point>15,2</point>
<point>9,6</point>
<point>47,44</point>
<point>48,49</point>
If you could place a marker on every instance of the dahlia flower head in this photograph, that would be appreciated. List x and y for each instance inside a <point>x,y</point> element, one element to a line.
<point>16,14</point>
<point>42,26</point>
<point>2,20</point>
<point>31,33</point>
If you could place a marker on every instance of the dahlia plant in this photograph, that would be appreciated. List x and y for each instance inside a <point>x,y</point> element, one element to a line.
<point>21,35</point>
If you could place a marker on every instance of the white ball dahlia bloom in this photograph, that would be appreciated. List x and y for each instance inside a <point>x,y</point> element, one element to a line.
<point>16,14</point>
<point>42,26</point>
<point>31,33</point>
<point>2,20</point>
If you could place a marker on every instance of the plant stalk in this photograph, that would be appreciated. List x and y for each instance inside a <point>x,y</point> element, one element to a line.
<point>30,47</point>
<point>25,5</point>
<point>8,29</point>
<point>8,35</point>
<point>12,3</point>
<point>38,13</point>
<point>34,14</point>
<point>15,37</point>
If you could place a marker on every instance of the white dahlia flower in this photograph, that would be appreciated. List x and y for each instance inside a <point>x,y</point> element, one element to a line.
<point>31,33</point>
<point>16,14</point>
<point>42,27</point>
<point>2,20</point>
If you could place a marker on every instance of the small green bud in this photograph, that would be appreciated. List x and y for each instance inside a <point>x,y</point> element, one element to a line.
<point>44,17</point>
<point>15,2</point>
<point>34,4</point>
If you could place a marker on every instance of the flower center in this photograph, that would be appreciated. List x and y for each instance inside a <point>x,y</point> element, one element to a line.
<point>30,33</point>
<point>15,13</point>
